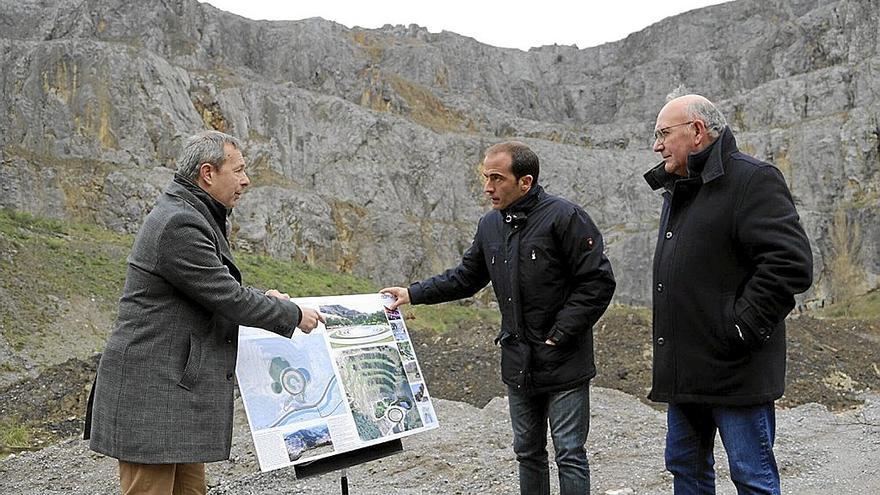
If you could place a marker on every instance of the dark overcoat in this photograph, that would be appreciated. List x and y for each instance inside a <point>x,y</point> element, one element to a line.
<point>164,389</point>
<point>545,258</point>
<point>730,256</point>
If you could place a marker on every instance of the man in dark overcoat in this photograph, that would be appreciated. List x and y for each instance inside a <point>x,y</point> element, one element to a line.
<point>162,399</point>
<point>546,261</point>
<point>730,256</point>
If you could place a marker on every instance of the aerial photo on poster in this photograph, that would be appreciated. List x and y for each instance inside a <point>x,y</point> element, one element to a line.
<point>352,382</point>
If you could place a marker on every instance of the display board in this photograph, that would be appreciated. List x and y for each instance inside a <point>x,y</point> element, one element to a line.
<point>350,383</point>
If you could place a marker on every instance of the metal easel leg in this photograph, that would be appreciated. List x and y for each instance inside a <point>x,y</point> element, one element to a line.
<point>344,482</point>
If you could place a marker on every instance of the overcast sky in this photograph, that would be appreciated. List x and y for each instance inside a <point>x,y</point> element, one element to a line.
<point>510,24</point>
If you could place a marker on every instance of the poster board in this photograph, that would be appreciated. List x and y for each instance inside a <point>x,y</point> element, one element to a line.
<point>349,384</point>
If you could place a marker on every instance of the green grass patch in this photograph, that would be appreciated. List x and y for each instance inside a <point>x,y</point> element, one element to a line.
<point>46,261</point>
<point>297,279</point>
<point>449,316</point>
<point>863,306</point>
<point>62,258</point>
<point>14,435</point>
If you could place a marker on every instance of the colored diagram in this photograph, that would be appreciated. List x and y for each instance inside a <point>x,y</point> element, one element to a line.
<point>289,380</point>
<point>352,382</point>
<point>379,393</point>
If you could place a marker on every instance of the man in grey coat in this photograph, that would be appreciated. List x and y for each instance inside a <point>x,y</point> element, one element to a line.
<point>162,399</point>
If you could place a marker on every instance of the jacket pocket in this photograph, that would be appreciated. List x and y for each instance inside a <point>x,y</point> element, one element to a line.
<point>515,357</point>
<point>494,257</point>
<point>726,332</point>
<point>538,325</point>
<point>540,274</point>
<point>550,357</point>
<point>193,364</point>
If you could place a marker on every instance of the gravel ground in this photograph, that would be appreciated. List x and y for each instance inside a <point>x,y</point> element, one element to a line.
<point>819,452</point>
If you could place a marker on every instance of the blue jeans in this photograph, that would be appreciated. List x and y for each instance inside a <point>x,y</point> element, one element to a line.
<point>569,415</point>
<point>747,434</point>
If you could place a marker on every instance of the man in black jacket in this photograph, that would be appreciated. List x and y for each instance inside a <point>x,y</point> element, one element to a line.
<point>544,257</point>
<point>730,256</point>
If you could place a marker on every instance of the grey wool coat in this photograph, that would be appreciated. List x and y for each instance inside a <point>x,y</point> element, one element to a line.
<point>164,389</point>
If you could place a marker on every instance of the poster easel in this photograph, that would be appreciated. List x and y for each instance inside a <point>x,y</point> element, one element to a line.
<point>346,460</point>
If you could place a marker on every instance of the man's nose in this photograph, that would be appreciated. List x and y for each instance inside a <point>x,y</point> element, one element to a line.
<point>246,181</point>
<point>658,145</point>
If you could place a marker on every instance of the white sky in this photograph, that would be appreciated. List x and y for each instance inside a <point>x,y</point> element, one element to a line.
<point>509,24</point>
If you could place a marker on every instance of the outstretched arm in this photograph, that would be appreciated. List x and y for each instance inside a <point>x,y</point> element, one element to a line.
<point>465,280</point>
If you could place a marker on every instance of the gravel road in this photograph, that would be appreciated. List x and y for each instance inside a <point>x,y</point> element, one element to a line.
<point>819,452</point>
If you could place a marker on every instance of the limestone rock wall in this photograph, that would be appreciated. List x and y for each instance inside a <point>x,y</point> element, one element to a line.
<point>364,145</point>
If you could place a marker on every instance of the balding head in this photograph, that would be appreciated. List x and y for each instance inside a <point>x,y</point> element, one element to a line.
<point>698,107</point>
<point>685,125</point>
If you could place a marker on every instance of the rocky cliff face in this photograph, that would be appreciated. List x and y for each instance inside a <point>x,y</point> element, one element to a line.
<point>364,145</point>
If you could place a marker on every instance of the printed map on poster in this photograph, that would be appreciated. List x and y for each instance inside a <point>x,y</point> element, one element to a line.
<point>351,383</point>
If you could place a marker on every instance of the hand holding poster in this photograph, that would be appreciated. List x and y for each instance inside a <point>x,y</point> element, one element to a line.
<point>351,383</point>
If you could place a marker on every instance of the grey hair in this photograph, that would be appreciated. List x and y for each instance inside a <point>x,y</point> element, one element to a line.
<point>701,110</point>
<point>708,113</point>
<point>204,147</point>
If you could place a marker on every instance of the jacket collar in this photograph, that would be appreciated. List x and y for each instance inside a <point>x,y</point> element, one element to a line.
<point>213,211</point>
<point>216,209</point>
<point>707,164</point>
<point>518,211</point>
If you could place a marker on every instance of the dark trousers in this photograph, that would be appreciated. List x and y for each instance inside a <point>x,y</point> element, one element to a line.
<point>568,414</point>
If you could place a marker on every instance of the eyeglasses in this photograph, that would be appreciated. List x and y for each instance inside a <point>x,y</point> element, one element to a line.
<point>661,134</point>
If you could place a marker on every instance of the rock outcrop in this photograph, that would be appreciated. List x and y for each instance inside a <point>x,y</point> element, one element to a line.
<point>364,145</point>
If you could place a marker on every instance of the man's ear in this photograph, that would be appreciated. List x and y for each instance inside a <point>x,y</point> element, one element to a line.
<point>206,173</point>
<point>702,133</point>
<point>525,182</point>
